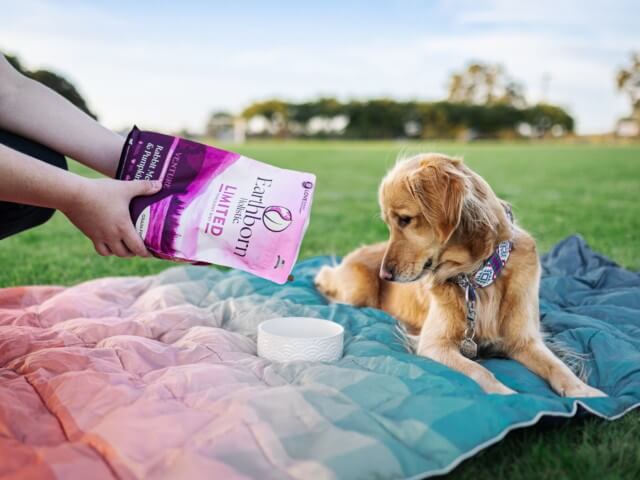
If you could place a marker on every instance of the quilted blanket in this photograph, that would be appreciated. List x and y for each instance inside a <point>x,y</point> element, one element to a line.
<point>157,377</point>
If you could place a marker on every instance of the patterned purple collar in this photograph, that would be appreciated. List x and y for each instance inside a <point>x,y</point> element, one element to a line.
<point>481,278</point>
<point>493,265</point>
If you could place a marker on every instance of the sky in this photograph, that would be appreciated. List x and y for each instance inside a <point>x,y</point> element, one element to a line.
<point>166,65</point>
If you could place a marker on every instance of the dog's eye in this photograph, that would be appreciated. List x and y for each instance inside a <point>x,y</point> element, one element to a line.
<point>404,221</point>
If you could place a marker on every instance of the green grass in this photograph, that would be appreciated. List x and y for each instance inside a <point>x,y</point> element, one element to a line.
<point>556,190</point>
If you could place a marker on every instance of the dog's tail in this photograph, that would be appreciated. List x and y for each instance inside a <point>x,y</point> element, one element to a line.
<point>577,362</point>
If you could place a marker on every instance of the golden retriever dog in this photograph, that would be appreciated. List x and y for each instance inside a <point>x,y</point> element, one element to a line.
<point>444,222</point>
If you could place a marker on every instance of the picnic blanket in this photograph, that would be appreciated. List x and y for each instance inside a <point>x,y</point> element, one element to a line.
<point>157,377</point>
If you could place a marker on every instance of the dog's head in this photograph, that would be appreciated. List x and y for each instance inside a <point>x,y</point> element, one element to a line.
<point>423,201</point>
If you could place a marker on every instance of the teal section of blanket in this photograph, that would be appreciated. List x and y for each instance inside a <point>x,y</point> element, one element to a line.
<point>381,412</point>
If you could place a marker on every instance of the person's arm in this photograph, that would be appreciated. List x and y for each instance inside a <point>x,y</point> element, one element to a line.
<point>34,111</point>
<point>97,207</point>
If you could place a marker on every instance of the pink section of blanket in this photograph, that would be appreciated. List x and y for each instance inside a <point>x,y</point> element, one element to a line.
<point>111,379</point>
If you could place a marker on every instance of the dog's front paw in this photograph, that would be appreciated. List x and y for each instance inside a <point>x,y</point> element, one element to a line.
<point>583,390</point>
<point>324,282</point>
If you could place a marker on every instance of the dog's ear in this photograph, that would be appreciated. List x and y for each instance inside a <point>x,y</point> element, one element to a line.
<point>439,189</point>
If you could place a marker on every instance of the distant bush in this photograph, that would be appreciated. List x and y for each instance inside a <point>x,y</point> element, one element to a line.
<point>386,118</point>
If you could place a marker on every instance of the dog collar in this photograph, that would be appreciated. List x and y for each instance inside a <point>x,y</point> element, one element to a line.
<point>481,278</point>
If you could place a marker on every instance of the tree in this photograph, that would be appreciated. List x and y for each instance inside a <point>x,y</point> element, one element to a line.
<point>276,112</point>
<point>270,109</point>
<point>378,118</point>
<point>322,107</point>
<point>55,82</point>
<point>485,84</point>
<point>628,82</point>
<point>544,118</point>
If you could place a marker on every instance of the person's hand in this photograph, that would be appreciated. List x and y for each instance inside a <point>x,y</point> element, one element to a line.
<point>100,210</point>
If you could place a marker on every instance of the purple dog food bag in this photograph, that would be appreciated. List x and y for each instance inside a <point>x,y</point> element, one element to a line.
<point>217,206</point>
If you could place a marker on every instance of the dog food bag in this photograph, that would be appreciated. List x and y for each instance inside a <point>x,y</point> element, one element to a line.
<point>217,206</point>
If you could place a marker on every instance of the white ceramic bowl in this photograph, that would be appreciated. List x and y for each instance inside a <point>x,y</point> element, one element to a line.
<point>300,338</point>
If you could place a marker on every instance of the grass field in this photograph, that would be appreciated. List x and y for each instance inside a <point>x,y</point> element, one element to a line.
<point>556,190</point>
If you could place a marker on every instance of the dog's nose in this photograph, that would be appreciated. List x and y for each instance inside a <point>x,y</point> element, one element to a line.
<point>386,272</point>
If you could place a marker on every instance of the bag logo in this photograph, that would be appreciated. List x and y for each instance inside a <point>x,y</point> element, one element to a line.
<point>277,219</point>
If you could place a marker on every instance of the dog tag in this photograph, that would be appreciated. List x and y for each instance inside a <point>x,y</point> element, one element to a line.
<point>469,348</point>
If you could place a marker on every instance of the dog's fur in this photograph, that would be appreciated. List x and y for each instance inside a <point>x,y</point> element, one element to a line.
<point>443,220</point>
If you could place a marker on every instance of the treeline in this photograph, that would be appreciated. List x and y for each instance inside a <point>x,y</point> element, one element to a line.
<point>385,118</point>
<point>482,101</point>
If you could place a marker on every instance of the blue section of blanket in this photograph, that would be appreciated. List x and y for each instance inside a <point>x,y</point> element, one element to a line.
<point>381,412</point>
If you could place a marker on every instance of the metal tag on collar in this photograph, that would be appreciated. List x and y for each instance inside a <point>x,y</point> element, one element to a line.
<point>469,348</point>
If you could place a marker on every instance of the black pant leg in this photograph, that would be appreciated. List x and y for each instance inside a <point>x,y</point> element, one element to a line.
<point>14,217</point>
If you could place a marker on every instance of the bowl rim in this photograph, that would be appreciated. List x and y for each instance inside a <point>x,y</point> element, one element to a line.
<point>328,323</point>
